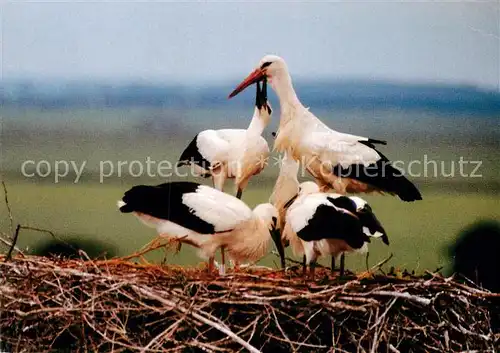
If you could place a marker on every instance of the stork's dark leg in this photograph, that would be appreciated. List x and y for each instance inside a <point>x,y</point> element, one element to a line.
<point>210,265</point>
<point>333,264</point>
<point>304,266</point>
<point>342,264</point>
<point>239,193</point>
<point>312,268</point>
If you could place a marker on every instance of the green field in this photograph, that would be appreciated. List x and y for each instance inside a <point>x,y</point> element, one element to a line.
<point>419,232</point>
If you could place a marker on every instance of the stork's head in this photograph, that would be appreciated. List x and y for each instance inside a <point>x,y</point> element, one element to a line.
<point>369,220</point>
<point>269,67</point>
<point>262,106</point>
<point>268,214</point>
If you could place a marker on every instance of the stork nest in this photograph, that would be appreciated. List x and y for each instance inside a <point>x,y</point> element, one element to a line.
<point>110,306</point>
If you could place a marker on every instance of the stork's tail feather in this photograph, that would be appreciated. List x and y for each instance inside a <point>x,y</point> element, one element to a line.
<point>405,189</point>
<point>124,208</point>
<point>382,176</point>
<point>138,198</point>
<point>377,142</point>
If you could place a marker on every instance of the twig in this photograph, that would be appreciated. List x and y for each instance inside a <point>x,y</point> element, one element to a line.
<point>404,295</point>
<point>219,326</point>
<point>381,263</point>
<point>381,317</point>
<point>120,306</point>
<point>9,244</point>
<point>14,241</point>
<point>16,235</point>
<point>6,196</point>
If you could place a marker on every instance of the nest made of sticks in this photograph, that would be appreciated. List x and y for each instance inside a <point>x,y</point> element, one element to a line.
<point>111,306</point>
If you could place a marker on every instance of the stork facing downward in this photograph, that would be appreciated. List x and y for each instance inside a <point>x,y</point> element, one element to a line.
<point>232,153</point>
<point>344,162</point>
<point>206,218</point>
<point>320,224</point>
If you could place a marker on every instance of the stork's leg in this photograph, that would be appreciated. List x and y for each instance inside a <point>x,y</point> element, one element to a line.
<point>304,266</point>
<point>222,268</point>
<point>219,178</point>
<point>312,268</point>
<point>211,265</point>
<point>342,264</point>
<point>333,264</point>
<point>239,193</point>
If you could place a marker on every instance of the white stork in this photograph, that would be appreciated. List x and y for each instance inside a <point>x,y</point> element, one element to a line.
<point>232,153</point>
<point>206,218</point>
<point>320,224</point>
<point>344,162</point>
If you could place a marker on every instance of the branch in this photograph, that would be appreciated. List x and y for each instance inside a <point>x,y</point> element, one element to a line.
<point>9,211</point>
<point>14,241</point>
<point>221,327</point>
<point>404,295</point>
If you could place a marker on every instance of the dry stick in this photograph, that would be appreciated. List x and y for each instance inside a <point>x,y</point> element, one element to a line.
<point>11,220</point>
<point>140,253</point>
<point>381,263</point>
<point>8,207</point>
<point>404,295</point>
<point>221,327</point>
<point>379,320</point>
<point>14,241</point>
<point>16,235</point>
<point>9,244</point>
<point>281,330</point>
<point>393,349</point>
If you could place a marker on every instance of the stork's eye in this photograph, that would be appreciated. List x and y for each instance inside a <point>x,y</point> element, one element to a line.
<point>266,64</point>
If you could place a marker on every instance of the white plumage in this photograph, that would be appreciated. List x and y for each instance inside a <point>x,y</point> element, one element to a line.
<point>221,210</point>
<point>336,160</point>
<point>328,224</point>
<point>204,217</point>
<point>232,153</point>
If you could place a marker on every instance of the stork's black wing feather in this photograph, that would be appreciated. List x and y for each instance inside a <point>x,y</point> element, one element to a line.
<point>330,223</point>
<point>343,202</point>
<point>193,155</point>
<point>164,201</point>
<point>381,175</point>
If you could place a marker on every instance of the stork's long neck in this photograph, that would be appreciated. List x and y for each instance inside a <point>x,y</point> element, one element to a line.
<point>290,104</point>
<point>282,85</point>
<point>257,124</point>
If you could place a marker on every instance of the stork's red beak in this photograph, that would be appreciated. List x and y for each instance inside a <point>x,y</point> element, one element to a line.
<point>256,76</point>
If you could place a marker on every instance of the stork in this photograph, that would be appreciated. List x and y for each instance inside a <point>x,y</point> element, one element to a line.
<point>347,163</point>
<point>320,224</point>
<point>205,218</point>
<point>232,153</point>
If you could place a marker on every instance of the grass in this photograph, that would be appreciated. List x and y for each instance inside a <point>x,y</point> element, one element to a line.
<point>419,232</point>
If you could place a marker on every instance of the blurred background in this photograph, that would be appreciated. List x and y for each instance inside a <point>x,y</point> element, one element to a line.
<point>124,81</point>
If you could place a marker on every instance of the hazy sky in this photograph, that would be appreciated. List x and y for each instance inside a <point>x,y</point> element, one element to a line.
<point>454,42</point>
